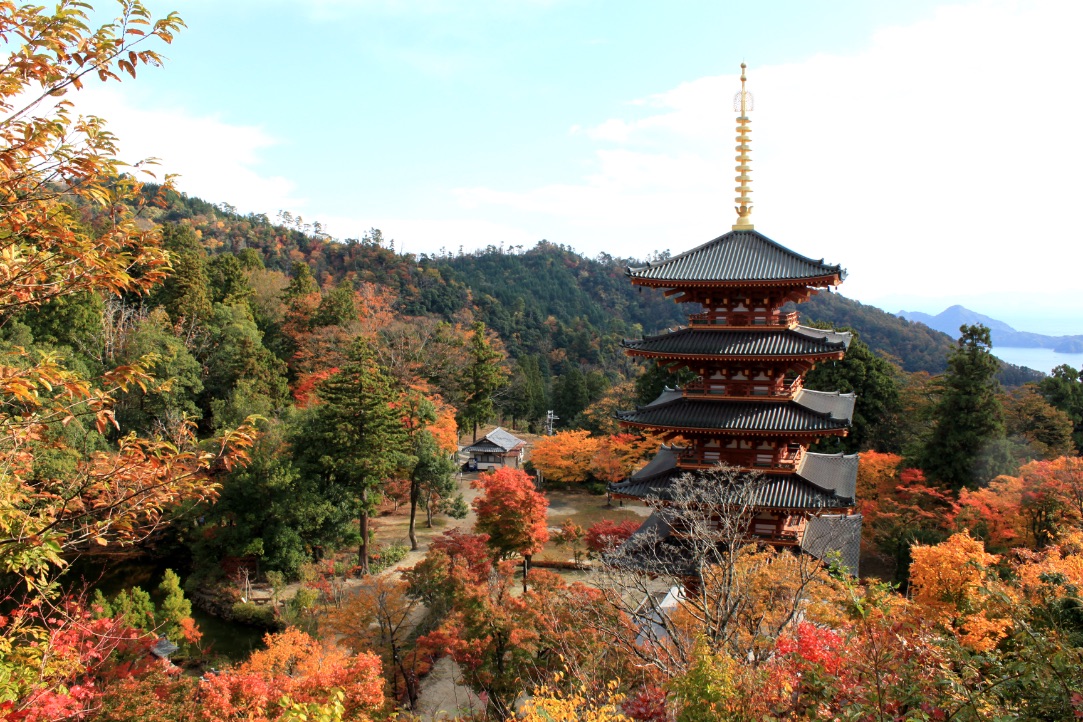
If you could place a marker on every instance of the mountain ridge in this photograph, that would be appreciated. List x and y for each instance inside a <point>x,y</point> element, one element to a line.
<point>950,319</point>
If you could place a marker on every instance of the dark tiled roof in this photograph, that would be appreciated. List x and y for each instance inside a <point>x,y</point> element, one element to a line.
<point>496,440</point>
<point>790,491</point>
<point>163,648</point>
<point>774,492</point>
<point>654,548</point>
<point>834,472</point>
<point>800,341</point>
<point>484,446</point>
<point>808,411</point>
<point>821,481</point>
<point>663,462</point>
<point>736,256</point>
<point>830,534</point>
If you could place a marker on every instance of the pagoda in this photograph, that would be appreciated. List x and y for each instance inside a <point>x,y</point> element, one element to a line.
<point>748,406</point>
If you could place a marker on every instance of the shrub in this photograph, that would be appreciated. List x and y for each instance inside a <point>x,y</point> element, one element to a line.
<point>607,534</point>
<point>255,615</point>
<point>387,557</point>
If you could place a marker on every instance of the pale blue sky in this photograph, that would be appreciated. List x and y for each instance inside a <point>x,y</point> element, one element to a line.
<point>889,137</point>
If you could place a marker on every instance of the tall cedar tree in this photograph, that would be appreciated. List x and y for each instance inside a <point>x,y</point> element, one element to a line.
<point>483,376</point>
<point>874,381</point>
<point>361,438</point>
<point>968,418</point>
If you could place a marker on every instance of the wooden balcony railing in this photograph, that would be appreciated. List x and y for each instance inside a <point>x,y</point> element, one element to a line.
<point>743,319</point>
<point>742,389</point>
<point>784,460</point>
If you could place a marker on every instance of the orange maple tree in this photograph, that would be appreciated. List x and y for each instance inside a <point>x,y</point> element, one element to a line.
<point>566,456</point>
<point>513,513</point>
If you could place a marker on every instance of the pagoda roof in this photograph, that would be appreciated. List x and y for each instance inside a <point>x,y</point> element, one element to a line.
<point>822,481</point>
<point>496,440</point>
<point>735,257</point>
<point>784,342</point>
<point>656,549</point>
<point>829,536</point>
<point>807,411</point>
<point>834,472</point>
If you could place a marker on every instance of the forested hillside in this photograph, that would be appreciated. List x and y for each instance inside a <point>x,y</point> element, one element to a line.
<point>547,297</point>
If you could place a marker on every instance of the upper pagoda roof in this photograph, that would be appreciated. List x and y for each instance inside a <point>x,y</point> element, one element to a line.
<point>783,342</point>
<point>808,412</point>
<point>735,257</point>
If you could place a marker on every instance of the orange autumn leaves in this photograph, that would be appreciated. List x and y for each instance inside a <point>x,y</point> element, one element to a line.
<point>1031,509</point>
<point>576,456</point>
<point>512,512</point>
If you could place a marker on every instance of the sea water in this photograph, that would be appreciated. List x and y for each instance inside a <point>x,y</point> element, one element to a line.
<point>1039,359</point>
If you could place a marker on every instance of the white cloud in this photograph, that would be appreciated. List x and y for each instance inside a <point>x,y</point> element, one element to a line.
<point>216,160</point>
<point>942,160</point>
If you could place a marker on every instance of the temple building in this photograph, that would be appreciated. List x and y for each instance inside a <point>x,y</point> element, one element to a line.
<point>748,407</point>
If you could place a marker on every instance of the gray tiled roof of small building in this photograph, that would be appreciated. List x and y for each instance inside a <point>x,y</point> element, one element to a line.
<point>799,341</point>
<point>830,534</point>
<point>809,411</point>
<point>163,648</point>
<point>736,256</point>
<point>484,446</point>
<point>498,438</point>
<point>834,472</point>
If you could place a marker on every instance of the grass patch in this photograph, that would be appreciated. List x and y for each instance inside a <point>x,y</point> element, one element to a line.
<point>582,509</point>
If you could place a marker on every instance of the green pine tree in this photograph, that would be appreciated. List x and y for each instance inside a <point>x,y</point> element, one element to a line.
<point>968,424</point>
<point>174,607</point>
<point>874,380</point>
<point>357,439</point>
<point>483,376</point>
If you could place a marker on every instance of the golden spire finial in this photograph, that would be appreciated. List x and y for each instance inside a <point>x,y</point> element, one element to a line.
<point>742,102</point>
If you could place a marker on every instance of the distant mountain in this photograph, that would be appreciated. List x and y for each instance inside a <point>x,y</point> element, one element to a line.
<point>949,320</point>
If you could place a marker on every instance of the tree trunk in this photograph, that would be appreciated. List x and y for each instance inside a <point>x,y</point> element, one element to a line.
<point>475,432</point>
<point>415,494</point>
<point>526,570</point>
<point>428,514</point>
<point>363,551</point>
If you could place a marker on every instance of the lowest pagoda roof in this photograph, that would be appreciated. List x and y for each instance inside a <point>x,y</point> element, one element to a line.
<point>821,481</point>
<point>807,412</point>
<point>655,548</point>
<point>738,258</point>
<point>795,342</point>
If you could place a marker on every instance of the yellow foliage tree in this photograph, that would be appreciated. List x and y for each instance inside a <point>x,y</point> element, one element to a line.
<point>955,583</point>
<point>548,705</point>
<point>566,456</point>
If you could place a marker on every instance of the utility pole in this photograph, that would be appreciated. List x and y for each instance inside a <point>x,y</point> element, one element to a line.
<point>550,417</point>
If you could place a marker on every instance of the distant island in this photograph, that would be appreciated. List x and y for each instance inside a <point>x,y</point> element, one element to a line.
<point>949,320</point>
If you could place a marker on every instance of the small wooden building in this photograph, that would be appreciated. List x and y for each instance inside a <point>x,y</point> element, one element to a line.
<point>497,449</point>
